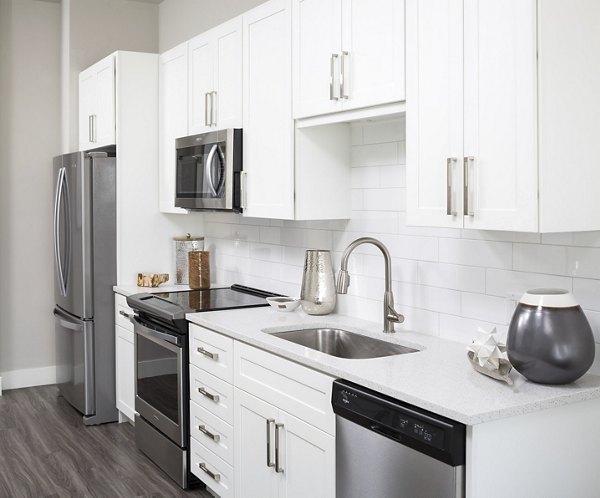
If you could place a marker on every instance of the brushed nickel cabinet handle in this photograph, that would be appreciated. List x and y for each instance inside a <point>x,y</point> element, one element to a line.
<point>468,167</point>
<point>216,477</point>
<point>278,467</point>
<point>270,422</point>
<point>343,75</point>
<point>206,98</point>
<point>208,354</point>
<point>450,211</point>
<point>332,59</point>
<point>206,394</point>
<point>244,189</point>
<point>215,437</point>
<point>126,315</point>
<point>213,108</point>
<point>90,125</point>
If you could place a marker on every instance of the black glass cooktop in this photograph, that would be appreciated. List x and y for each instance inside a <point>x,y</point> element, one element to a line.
<point>235,296</point>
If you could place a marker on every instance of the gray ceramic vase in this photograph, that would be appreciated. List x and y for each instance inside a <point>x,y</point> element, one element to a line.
<point>550,340</point>
<point>318,294</point>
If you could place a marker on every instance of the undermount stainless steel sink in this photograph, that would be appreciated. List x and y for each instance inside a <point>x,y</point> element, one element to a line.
<point>343,344</point>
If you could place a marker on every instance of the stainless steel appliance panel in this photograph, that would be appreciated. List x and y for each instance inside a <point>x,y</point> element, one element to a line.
<point>372,465</point>
<point>75,361</point>
<point>160,390</point>
<point>72,234</point>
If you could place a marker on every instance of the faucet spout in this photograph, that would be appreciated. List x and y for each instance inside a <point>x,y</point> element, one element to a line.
<point>390,315</point>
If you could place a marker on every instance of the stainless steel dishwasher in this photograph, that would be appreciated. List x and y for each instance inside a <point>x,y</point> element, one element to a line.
<point>386,448</point>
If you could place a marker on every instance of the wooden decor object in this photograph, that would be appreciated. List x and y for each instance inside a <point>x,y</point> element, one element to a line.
<point>199,268</point>
<point>151,279</point>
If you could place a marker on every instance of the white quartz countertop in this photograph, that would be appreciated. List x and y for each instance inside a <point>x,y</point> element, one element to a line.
<point>438,378</point>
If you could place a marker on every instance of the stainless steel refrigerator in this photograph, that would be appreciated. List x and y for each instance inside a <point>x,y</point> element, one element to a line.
<point>85,271</point>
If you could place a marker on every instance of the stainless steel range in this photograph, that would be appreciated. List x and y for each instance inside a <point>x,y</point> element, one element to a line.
<point>161,371</point>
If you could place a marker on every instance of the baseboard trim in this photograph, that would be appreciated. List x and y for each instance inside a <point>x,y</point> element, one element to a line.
<point>27,377</point>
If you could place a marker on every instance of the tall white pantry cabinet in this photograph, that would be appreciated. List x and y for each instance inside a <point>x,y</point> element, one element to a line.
<point>501,101</point>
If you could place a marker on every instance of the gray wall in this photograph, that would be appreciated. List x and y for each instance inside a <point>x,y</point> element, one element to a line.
<point>180,20</point>
<point>29,138</point>
<point>92,29</point>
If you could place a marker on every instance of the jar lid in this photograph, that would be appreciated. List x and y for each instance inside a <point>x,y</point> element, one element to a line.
<point>549,298</point>
<point>188,238</point>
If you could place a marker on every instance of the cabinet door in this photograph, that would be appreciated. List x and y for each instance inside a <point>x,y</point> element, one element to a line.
<point>434,112</point>
<point>372,59</point>
<point>201,56</point>
<point>104,121</point>
<point>172,120</point>
<point>227,99</point>
<point>268,123</point>
<point>125,372</point>
<point>500,114</point>
<point>87,97</point>
<point>316,59</point>
<point>308,456</point>
<point>254,427</point>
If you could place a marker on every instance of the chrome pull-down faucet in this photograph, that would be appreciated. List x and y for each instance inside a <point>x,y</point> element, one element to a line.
<point>390,315</point>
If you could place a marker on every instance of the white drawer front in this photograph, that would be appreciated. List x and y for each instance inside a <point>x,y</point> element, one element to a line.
<point>121,310</point>
<point>212,432</point>
<point>213,471</point>
<point>212,351</point>
<point>212,393</point>
<point>294,388</point>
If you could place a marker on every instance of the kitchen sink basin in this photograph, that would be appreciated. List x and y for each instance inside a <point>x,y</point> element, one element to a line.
<point>343,344</point>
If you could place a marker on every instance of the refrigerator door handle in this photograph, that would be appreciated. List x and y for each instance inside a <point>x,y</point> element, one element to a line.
<point>57,215</point>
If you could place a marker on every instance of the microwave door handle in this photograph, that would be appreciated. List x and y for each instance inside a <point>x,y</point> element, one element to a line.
<point>211,156</point>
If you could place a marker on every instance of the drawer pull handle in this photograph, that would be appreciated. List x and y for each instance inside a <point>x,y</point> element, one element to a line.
<point>208,354</point>
<point>204,392</point>
<point>126,315</point>
<point>215,437</point>
<point>216,477</point>
<point>270,421</point>
<point>278,468</point>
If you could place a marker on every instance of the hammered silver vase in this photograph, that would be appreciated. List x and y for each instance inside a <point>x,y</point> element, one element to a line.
<point>318,294</point>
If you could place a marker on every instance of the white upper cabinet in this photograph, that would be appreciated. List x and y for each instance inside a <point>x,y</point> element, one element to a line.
<point>471,114</point>
<point>347,54</point>
<point>215,78</point>
<point>97,104</point>
<point>268,124</point>
<point>289,174</point>
<point>172,120</point>
<point>489,134</point>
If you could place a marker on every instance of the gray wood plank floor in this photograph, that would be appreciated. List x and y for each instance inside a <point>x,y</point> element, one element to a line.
<point>46,451</point>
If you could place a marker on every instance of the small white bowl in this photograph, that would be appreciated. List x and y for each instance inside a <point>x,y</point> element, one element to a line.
<point>282,303</point>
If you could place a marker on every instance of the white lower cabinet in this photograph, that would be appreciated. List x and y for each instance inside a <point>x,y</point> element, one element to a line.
<point>124,360</point>
<point>245,442</point>
<point>279,455</point>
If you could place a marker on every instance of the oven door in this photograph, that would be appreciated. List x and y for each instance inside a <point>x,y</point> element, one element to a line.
<point>159,383</point>
<point>205,171</point>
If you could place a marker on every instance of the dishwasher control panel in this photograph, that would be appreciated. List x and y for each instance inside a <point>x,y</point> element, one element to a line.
<point>412,426</point>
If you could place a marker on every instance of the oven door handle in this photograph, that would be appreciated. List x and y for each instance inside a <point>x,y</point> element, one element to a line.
<point>154,334</point>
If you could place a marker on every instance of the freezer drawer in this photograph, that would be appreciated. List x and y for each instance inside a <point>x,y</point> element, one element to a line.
<point>75,360</point>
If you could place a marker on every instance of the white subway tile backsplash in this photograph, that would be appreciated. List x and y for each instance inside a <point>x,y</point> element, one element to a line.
<point>503,283</point>
<point>583,262</point>
<point>391,176</point>
<point>540,258</point>
<point>365,177</point>
<point>375,155</point>
<point>487,308</point>
<point>587,293</point>
<point>476,253</point>
<point>447,282</point>
<point>460,329</point>
<point>464,278</point>
<point>384,199</point>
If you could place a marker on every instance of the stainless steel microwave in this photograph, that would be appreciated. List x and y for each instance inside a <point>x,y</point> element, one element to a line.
<point>208,171</point>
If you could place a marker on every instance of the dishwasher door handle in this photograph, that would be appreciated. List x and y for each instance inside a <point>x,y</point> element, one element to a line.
<point>384,431</point>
